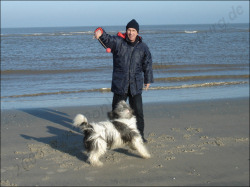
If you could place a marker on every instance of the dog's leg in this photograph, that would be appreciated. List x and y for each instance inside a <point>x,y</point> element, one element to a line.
<point>137,143</point>
<point>94,158</point>
<point>99,149</point>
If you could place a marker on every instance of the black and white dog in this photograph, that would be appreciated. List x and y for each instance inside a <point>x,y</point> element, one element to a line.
<point>118,131</point>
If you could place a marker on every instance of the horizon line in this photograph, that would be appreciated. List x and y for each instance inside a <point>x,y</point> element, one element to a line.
<point>117,25</point>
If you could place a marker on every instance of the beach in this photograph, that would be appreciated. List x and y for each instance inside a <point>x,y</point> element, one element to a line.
<point>192,143</point>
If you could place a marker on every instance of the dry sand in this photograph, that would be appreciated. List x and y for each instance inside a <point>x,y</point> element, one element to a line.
<point>204,143</point>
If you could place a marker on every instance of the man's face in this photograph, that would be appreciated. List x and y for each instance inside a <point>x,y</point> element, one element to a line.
<point>132,33</point>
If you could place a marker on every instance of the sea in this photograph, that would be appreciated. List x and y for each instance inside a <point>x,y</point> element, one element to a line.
<point>65,66</point>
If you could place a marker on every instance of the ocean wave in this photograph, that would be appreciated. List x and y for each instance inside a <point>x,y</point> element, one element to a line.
<point>91,32</point>
<point>49,34</point>
<point>157,65</point>
<point>190,32</point>
<point>61,71</point>
<point>210,30</point>
<point>210,84</point>
<point>202,77</point>
<point>104,90</point>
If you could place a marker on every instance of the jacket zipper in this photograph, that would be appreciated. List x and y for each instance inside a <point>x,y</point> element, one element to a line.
<point>129,67</point>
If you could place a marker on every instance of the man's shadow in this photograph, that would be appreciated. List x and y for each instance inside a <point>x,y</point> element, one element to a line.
<point>54,116</point>
<point>67,141</point>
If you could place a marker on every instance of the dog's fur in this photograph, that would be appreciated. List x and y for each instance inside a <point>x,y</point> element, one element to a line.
<point>118,131</point>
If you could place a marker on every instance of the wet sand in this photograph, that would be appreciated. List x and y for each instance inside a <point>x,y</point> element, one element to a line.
<point>203,143</point>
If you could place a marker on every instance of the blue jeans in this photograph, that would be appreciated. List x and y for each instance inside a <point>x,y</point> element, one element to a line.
<point>135,103</point>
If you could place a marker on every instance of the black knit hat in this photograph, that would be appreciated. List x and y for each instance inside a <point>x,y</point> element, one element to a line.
<point>133,24</point>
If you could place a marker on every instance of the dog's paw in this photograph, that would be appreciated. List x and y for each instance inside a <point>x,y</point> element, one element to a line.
<point>146,156</point>
<point>96,163</point>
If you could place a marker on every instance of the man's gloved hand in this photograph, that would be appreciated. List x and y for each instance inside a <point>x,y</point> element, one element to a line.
<point>98,33</point>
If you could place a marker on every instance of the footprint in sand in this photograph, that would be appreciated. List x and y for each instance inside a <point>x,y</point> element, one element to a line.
<point>170,158</point>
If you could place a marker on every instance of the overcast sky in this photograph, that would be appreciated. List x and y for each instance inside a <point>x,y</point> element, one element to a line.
<point>105,13</point>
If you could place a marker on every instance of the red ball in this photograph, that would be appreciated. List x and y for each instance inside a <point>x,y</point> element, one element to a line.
<point>108,50</point>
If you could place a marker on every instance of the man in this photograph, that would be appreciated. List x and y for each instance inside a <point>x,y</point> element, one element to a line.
<point>132,66</point>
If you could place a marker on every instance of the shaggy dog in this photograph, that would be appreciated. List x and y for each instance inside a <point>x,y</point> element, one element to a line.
<point>118,131</point>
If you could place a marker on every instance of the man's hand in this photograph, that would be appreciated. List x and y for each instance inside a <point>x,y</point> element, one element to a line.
<point>146,86</point>
<point>98,33</point>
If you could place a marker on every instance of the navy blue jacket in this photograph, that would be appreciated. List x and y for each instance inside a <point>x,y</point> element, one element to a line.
<point>132,65</point>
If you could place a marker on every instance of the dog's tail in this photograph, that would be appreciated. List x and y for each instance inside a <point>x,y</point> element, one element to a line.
<point>80,121</point>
